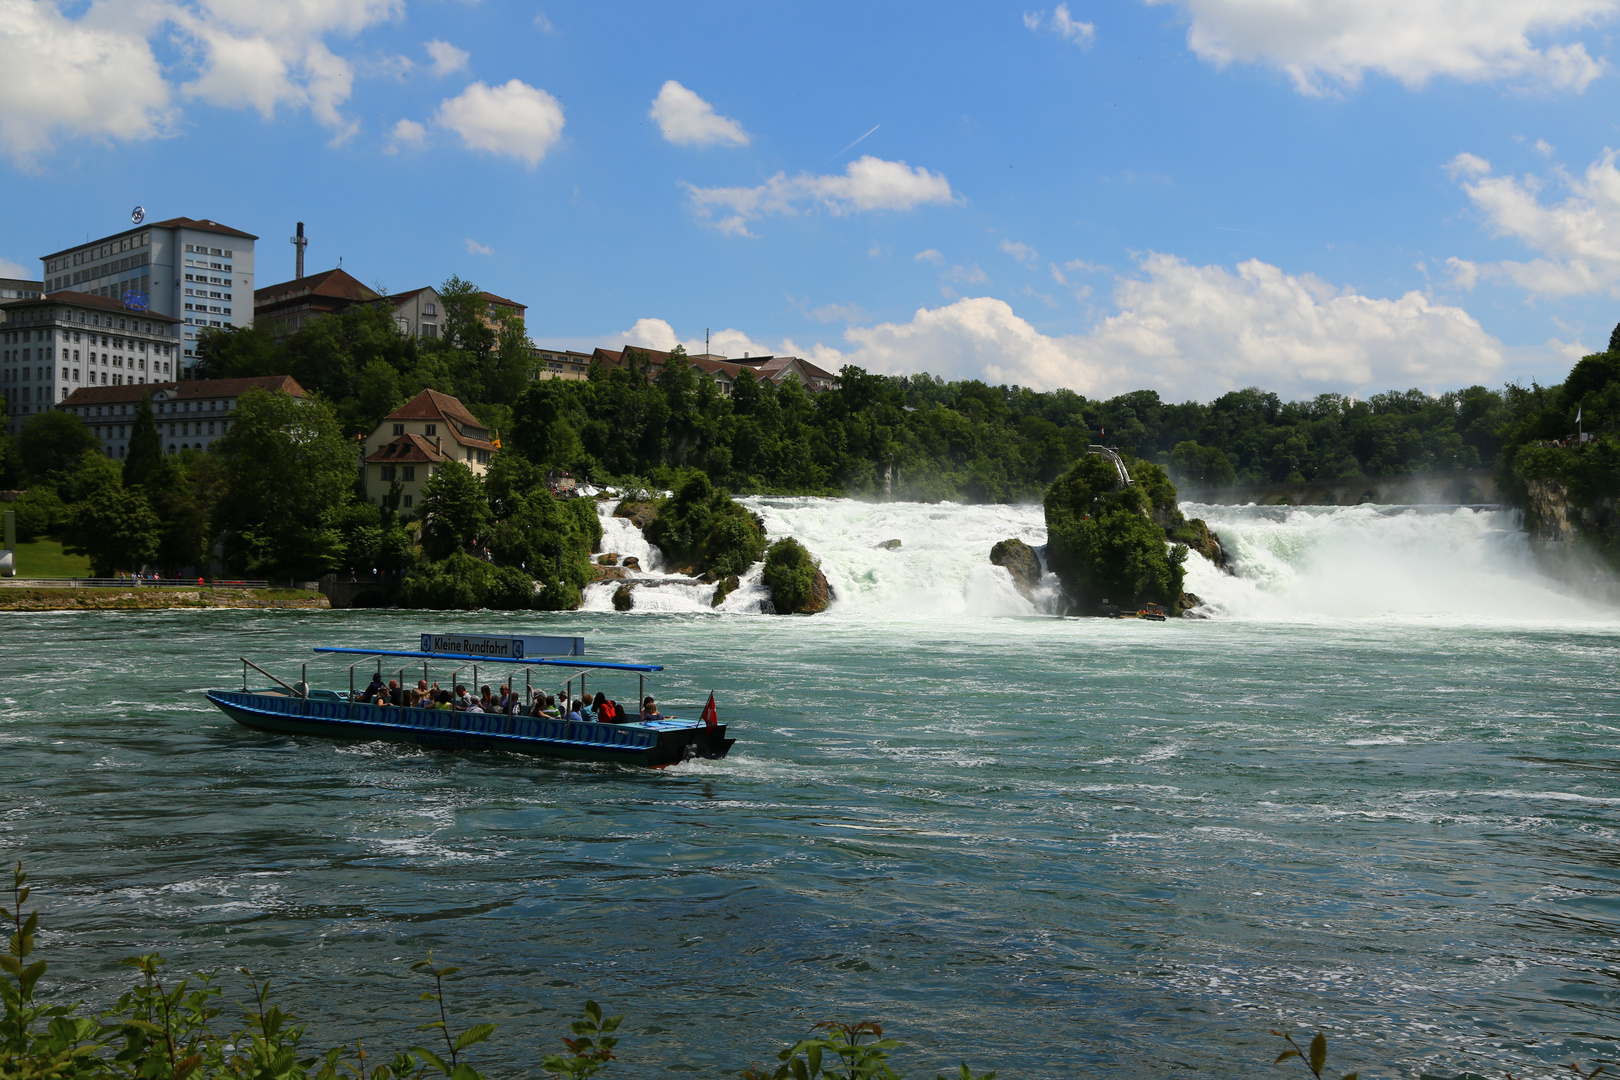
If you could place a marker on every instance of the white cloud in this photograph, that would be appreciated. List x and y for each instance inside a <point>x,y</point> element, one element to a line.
<point>544,24</point>
<point>659,334</point>
<point>515,119</point>
<point>1198,331</point>
<point>1578,238</point>
<point>1544,148</point>
<point>930,255</point>
<point>446,57</point>
<point>407,135</point>
<point>688,120</point>
<point>1331,44</point>
<point>264,55</point>
<point>868,183</point>
<point>1022,252</point>
<point>966,275</point>
<point>97,75</point>
<point>1187,331</point>
<point>94,76</point>
<point>1063,25</point>
<point>475,248</point>
<point>17,270</point>
<point>852,313</point>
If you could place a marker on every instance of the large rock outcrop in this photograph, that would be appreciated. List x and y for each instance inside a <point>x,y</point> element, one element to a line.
<point>796,584</point>
<point>1104,542</point>
<point>1019,560</point>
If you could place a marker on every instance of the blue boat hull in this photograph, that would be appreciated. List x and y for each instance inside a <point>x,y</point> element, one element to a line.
<point>654,745</point>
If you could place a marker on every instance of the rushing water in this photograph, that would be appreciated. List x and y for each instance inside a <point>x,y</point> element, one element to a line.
<point>1375,791</point>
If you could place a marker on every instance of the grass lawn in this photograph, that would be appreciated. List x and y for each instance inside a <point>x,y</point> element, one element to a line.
<point>44,558</point>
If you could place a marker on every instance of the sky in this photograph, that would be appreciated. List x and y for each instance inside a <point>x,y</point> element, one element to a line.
<point>1189,196</point>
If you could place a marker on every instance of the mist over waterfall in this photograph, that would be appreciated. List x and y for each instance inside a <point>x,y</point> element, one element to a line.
<point>1369,560</point>
<point>1291,563</point>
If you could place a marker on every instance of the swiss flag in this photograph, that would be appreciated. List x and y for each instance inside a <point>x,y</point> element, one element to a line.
<point>710,717</point>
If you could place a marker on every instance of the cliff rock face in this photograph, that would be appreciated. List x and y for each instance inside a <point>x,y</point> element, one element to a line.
<point>1021,562</point>
<point>1552,518</point>
<point>1198,536</point>
<point>821,595</point>
<point>640,512</point>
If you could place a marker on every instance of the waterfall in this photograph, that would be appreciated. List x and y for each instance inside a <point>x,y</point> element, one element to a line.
<point>1290,563</point>
<point>1349,562</point>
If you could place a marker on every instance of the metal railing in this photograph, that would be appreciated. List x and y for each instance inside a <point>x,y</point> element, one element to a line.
<point>125,583</point>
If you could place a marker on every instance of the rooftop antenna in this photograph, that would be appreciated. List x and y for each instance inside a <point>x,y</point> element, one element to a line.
<point>300,243</point>
<point>705,341</point>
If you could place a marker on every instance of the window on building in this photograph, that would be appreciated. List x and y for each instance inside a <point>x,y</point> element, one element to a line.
<point>407,502</point>
<point>385,472</point>
<point>399,429</point>
<point>409,471</point>
<point>429,309</point>
<point>431,429</point>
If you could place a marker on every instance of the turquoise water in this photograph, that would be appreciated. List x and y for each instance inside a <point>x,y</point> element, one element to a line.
<point>1047,846</point>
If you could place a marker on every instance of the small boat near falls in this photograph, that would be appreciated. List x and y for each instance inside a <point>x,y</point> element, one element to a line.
<point>299,709</point>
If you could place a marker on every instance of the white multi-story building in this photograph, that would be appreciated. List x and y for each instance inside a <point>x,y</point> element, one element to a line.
<point>57,344</point>
<point>197,272</point>
<point>190,415</point>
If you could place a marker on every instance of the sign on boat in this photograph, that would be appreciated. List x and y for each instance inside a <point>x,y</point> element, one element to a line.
<point>299,709</point>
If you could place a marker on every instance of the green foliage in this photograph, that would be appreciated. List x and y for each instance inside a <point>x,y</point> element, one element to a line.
<point>840,1053</point>
<point>454,512</point>
<point>40,512</point>
<point>1314,1059</point>
<point>145,446</point>
<point>1203,467</point>
<point>51,443</point>
<point>1102,541</point>
<point>789,575</point>
<point>289,473</point>
<point>184,490</point>
<point>550,539</point>
<point>590,1049</point>
<point>701,528</point>
<point>111,525</point>
<point>463,582</point>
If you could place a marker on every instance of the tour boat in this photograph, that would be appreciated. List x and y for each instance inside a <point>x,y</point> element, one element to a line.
<point>297,709</point>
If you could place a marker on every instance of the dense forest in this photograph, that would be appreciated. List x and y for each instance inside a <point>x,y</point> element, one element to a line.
<point>288,508</point>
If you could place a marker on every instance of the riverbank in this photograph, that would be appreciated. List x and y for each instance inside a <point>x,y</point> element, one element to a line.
<point>148,598</point>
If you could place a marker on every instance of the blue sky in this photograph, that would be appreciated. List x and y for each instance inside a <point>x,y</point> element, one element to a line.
<point>1188,195</point>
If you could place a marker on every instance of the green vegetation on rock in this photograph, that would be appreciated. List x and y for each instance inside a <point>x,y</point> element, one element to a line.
<point>702,530</point>
<point>1103,541</point>
<point>795,582</point>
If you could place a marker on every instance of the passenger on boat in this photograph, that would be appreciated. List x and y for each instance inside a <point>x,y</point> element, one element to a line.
<point>371,691</point>
<point>485,699</point>
<point>577,712</point>
<point>473,705</point>
<point>441,701</point>
<point>396,696</point>
<point>606,711</point>
<point>649,710</point>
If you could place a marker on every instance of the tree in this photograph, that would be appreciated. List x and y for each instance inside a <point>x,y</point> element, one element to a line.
<point>145,447</point>
<point>110,524</point>
<point>52,443</point>
<point>289,472</point>
<point>455,514</point>
<point>184,492</point>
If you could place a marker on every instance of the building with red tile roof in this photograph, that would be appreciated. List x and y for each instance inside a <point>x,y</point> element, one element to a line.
<point>414,440</point>
<point>290,305</point>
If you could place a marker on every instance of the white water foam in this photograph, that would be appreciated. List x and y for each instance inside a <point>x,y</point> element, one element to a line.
<point>1291,563</point>
<point>1379,561</point>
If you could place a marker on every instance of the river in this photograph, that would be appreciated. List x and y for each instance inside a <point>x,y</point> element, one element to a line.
<point>1373,791</point>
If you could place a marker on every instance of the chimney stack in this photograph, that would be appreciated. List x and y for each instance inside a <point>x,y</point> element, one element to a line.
<point>299,243</point>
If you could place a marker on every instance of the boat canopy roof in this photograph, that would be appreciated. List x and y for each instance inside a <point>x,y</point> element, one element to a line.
<point>493,661</point>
